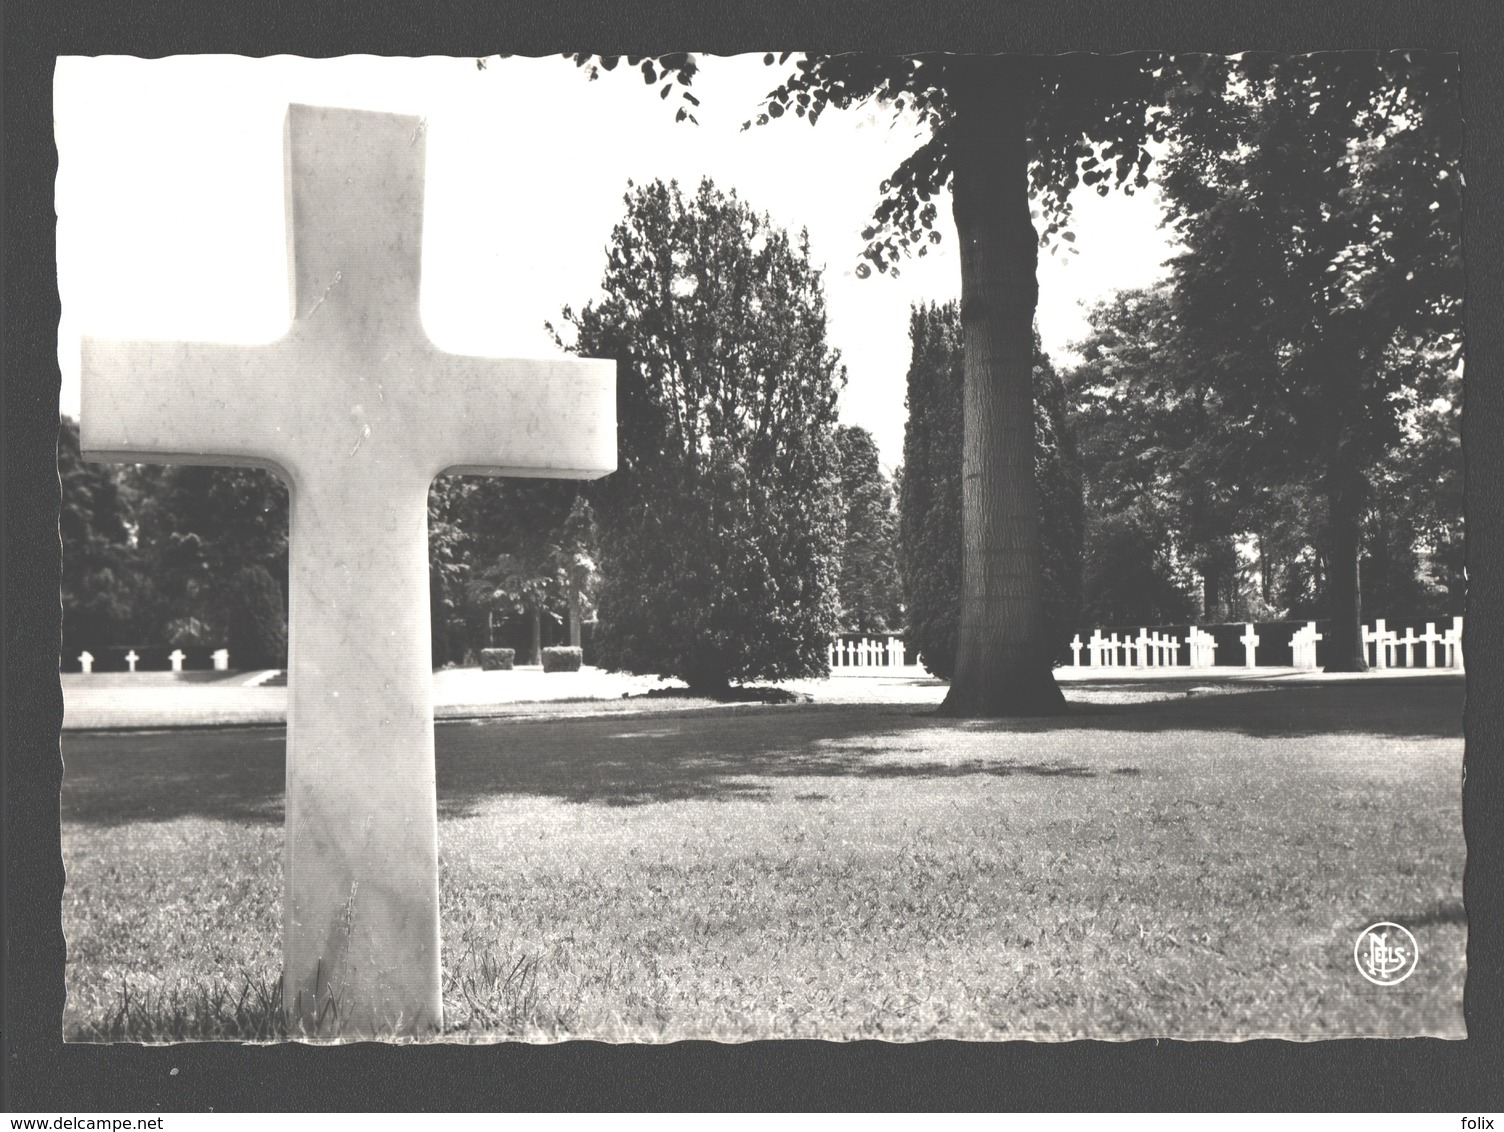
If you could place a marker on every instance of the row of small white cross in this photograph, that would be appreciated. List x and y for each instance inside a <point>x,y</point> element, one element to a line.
<point>177,656</point>
<point>1152,648</point>
<point>865,652</point>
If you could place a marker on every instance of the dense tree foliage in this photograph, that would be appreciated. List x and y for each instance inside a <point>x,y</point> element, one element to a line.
<point>1001,130</point>
<point>103,582</point>
<point>1168,483</point>
<point>871,596</point>
<point>503,548</point>
<point>721,531</point>
<point>257,631</point>
<point>197,528</point>
<point>154,554</point>
<point>930,504</point>
<point>1293,388</point>
<point>151,552</point>
<point>1319,201</point>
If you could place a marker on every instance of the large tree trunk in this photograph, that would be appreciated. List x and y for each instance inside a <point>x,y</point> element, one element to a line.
<point>1004,663</point>
<point>1344,635</point>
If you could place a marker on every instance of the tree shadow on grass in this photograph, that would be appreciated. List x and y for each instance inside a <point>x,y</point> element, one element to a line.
<point>618,760</point>
<point>465,782</point>
<point>234,774</point>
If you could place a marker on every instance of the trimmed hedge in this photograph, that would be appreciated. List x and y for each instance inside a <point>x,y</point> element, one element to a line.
<point>562,659</point>
<point>492,660</point>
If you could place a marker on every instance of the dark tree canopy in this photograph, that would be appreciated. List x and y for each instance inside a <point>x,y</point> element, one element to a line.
<point>1292,387</point>
<point>257,621</point>
<point>1170,479</point>
<point>198,527</point>
<point>151,552</point>
<point>1320,290</point>
<point>721,530</point>
<point>500,548</point>
<point>103,581</point>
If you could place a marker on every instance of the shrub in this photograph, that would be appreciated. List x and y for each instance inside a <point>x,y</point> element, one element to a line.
<point>494,660</point>
<point>258,627</point>
<point>720,534</point>
<point>562,659</point>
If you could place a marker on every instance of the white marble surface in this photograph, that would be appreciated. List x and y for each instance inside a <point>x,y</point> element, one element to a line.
<point>358,411</point>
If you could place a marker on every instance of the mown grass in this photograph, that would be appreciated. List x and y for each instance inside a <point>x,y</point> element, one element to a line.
<point>1197,867</point>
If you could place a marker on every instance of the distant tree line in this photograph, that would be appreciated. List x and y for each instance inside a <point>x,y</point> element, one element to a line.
<point>743,527</point>
<point>1280,418</point>
<point>1271,432</point>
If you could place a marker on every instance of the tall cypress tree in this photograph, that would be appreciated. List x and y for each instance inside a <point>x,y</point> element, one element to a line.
<point>720,533</point>
<point>868,584</point>
<point>929,507</point>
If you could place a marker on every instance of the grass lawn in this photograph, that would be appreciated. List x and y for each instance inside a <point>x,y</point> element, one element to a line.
<point>1152,864</point>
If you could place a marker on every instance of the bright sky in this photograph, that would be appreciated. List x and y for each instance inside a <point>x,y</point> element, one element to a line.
<point>171,218</point>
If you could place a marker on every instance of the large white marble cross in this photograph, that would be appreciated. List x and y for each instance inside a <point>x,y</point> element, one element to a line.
<point>358,411</point>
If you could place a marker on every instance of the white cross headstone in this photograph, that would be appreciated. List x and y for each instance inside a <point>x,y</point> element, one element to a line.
<point>1076,651</point>
<point>176,657</point>
<point>1311,636</point>
<point>1250,641</point>
<point>86,662</point>
<point>896,643</point>
<point>359,412</point>
<point>1380,639</point>
<point>1452,642</point>
<point>131,658</point>
<point>221,660</point>
<point>1409,640</point>
<point>1430,637</point>
<point>1094,648</point>
<point>1174,646</point>
<point>830,654</point>
<point>1112,655</point>
<point>1141,648</point>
